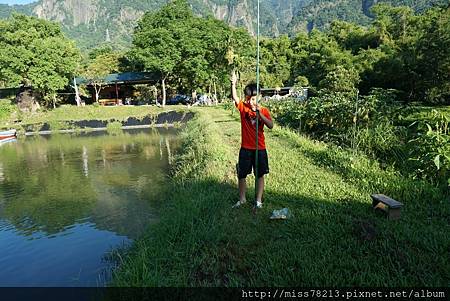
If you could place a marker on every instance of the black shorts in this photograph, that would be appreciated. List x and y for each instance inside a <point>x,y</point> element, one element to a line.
<point>247,163</point>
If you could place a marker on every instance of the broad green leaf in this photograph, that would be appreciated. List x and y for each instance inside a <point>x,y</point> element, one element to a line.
<point>437,161</point>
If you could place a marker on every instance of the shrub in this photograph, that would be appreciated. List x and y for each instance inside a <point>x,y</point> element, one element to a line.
<point>367,123</point>
<point>430,149</point>
<point>114,127</point>
<point>6,109</point>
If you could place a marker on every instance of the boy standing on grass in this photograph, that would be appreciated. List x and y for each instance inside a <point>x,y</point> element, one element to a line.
<point>249,111</point>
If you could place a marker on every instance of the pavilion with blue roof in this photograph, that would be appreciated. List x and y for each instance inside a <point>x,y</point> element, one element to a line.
<point>117,87</point>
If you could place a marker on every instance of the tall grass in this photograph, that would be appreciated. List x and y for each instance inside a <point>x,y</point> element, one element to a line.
<point>377,126</point>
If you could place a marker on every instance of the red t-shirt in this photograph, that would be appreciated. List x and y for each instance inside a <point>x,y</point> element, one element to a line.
<point>248,126</point>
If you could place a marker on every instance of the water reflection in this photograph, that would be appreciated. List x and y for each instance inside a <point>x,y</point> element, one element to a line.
<point>2,176</point>
<point>85,162</point>
<point>80,187</point>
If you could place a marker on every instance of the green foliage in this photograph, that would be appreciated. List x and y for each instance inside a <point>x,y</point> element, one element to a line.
<point>101,50</point>
<point>158,40</point>
<point>400,50</point>
<point>102,65</point>
<point>433,56</point>
<point>35,53</point>
<point>241,56</point>
<point>114,127</point>
<point>145,93</point>
<point>56,126</point>
<point>340,80</point>
<point>352,36</point>
<point>412,46</point>
<point>103,62</point>
<point>315,55</point>
<point>372,124</point>
<point>189,52</point>
<point>383,141</point>
<point>276,55</point>
<point>321,14</point>
<point>332,115</point>
<point>301,81</point>
<point>6,109</point>
<point>430,150</point>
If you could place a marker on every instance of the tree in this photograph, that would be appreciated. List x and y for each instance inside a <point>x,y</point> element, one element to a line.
<point>276,56</point>
<point>315,55</point>
<point>353,37</point>
<point>301,82</point>
<point>205,65</point>
<point>206,52</point>
<point>194,71</point>
<point>158,39</point>
<point>34,52</point>
<point>340,80</point>
<point>393,22</point>
<point>102,49</point>
<point>190,53</point>
<point>99,68</point>
<point>398,33</point>
<point>433,51</point>
<point>241,56</point>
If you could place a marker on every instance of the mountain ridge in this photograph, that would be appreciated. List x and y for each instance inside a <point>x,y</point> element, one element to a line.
<point>92,22</point>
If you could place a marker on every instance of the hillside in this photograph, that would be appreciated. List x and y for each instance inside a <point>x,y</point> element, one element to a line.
<point>320,13</point>
<point>92,22</point>
<point>6,10</point>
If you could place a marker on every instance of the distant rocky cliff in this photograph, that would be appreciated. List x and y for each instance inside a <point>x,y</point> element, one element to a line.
<point>73,12</point>
<point>91,22</point>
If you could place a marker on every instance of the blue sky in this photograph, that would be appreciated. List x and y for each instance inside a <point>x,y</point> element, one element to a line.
<point>16,1</point>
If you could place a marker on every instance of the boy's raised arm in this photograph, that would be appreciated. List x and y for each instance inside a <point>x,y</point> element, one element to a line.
<point>233,80</point>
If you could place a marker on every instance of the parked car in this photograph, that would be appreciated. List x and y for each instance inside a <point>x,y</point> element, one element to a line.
<point>203,100</point>
<point>179,99</point>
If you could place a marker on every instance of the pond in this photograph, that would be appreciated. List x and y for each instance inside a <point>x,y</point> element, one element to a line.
<point>68,202</point>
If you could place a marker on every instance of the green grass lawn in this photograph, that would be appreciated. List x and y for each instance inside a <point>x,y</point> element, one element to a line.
<point>332,239</point>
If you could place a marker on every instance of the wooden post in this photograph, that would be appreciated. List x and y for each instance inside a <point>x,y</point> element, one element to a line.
<point>117,95</point>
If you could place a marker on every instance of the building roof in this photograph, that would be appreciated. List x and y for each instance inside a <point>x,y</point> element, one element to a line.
<point>131,77</point>
<point>125,78</point>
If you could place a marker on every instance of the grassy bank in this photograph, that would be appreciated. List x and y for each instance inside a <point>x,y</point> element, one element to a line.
<point>333,238</point>
<point>10,117</point>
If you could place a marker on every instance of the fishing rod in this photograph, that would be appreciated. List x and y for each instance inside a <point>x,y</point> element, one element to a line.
<point>257,111</point>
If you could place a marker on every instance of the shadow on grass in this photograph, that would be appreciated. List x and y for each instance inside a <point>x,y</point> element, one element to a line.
<point>202,241</point>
